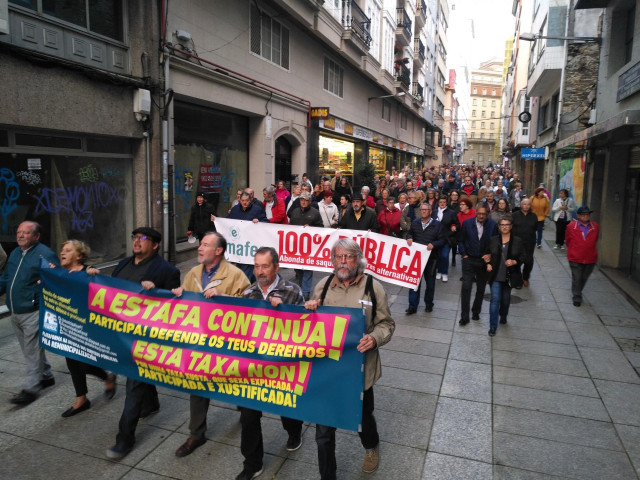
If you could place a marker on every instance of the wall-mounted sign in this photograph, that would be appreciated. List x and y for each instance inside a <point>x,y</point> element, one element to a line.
<point>533,153</point>
<point>319,112</point>
<point>628,83</point>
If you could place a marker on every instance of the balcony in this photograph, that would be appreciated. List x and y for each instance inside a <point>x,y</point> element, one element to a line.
<point>403,76</point>
<point>545,71</point>
<point>421,15</point>
<point>356,24</point>
<point>416,92</point>
<point>403,27</point>
<point>419,56</point>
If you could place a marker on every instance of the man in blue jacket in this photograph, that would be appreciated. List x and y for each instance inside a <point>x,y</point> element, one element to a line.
<point>473,242</point>
<point>426,231</point>
<point>20,280</point>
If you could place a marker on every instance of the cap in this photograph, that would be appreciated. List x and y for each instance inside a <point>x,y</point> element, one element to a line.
<point>154,235</point>
<point>583,209</point>
<point>199,194</point>
<point>357,196</point>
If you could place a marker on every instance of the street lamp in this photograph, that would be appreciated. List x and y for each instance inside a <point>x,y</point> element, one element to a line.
<point>532,37</point>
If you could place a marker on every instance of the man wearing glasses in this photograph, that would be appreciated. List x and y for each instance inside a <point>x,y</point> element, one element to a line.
<point>150,270</point>
<point>473,242</point>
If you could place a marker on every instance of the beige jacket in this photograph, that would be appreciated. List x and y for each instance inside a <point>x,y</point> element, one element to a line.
<point>233,280</point>
<point>380,328</point>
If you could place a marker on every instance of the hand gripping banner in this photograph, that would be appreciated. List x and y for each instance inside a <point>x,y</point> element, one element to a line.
<point>287,361</point>
<point>389,259</point>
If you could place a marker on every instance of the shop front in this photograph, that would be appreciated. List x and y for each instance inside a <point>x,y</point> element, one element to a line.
<point>210,156</point>
<point>75,186</point>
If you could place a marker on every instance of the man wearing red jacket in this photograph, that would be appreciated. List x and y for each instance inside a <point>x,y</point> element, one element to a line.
<point>581,238</point>
<point>274,207</point>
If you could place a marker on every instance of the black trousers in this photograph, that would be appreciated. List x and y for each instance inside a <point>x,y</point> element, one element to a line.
<point>528,261</point>
<point>140,397</point>
<point>472,268</point>
<point>79,371</point>
<point>561,228</point>
<point>251,444</point>
<point>326,438</point>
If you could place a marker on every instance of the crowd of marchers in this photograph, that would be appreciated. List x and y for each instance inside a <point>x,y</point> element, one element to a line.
<point>481,215</point>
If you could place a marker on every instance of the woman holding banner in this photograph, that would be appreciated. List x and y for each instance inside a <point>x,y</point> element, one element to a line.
<point>73,255</point>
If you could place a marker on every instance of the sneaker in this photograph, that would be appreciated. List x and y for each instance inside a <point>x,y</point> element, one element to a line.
<point>562,247</point>
<point>445,278</point>
<point>438,276</point>
<point>118,451</point>
<point>556,247</point>
<point>371,460</point>
<point>248,474</point>
<point>539,245</point>
<point>294,443</point>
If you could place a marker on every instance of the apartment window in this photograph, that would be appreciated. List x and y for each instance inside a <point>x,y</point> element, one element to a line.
<point>628,37</point>
<point>490,137</point>
<point>100,17</point>
<point>473,113</point>
<point>386,111</point>
<point>484,103</point>
<point>270,39</point>
<point>475,91</point>
<point>555,100</point>
<point>482,135</point>
<point>333,77</point>
<point>482,125</point>
<point>475,102</point>
<point>493,92</point>
<point>480,158</point>
<point>484,91</point>
<point>403,120</point>
<point>473,135</point>
<point>473,124</point>
<point>543,117</point>
<point>491,126</point>
<point>484,114</point>
<point>493,114</point>
<point>493,103</point>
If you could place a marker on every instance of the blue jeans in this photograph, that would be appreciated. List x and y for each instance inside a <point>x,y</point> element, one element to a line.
<point>443,260</point>
<point>500,301</point>
<point>303,279</point>
<point>414,295</point>
<point>539,232</point>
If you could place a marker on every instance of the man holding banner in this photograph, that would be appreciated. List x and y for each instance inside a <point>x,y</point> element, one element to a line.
<point>151,271</point>
<point>276,290</point>
<point>348,286</point>
<point>214,276</point>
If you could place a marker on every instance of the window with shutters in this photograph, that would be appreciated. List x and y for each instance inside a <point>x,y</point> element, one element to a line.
<point>269,38</point>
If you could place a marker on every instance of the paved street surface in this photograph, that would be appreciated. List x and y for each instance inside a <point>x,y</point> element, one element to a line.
<point>555,394</point>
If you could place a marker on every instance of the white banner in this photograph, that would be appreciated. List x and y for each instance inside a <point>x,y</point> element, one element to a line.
<point>389,259</point>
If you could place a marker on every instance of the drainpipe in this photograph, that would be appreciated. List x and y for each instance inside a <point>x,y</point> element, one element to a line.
<point>147,158</point>
<point>165,162</point>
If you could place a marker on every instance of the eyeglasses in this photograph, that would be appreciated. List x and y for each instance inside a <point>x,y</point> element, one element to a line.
<point>346,256</point>
<point>142,238</point>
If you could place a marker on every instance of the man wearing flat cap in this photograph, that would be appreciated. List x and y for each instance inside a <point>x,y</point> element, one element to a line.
<point>150,270</point>
<point>360,217</point>
<point>581,238</point>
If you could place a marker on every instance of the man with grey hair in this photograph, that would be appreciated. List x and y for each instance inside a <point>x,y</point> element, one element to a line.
<point>274,207</point>
<point>346,287</point>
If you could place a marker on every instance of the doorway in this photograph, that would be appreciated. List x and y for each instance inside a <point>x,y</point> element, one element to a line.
<point>283,162</point>
<point>632,200</point>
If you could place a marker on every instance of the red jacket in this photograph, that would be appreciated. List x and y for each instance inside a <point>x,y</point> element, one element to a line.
<point>278,212</point>
<point>389,221</point>
<point>581,248</point>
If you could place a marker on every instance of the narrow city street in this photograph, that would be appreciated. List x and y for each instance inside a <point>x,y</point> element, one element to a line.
<point>553,395</point>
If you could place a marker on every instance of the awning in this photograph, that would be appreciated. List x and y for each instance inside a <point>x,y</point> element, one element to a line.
<point>626,118</point>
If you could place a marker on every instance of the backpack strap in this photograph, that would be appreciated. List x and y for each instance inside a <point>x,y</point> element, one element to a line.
<point>368,290</point>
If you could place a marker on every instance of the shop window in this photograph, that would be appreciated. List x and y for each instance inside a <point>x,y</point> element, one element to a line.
<point>333,77</point>
<point>82,197</point>
<point>269,38</point>
<point>104,17</point>
<point>211,155</point>
<point>336,154</point>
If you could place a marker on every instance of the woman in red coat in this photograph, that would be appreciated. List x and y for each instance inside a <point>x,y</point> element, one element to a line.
<point>389,219</point>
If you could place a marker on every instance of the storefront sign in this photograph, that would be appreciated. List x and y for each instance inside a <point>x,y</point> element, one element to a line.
<point>628,83</point>
<point>532,153</point>
<point>320,112</point>
<point>288,361</point>
<point>389,259</point>
<point>348,129</point>
<point>329,123</point>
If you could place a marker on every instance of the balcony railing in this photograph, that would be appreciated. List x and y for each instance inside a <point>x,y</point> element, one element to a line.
<point>416,90</point>
<point>403,75</point>
<point>354,19</point>
<point>403,21</point>
<point>418,47</point>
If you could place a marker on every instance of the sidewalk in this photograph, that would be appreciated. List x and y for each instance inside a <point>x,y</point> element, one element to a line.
<point>555,394</point>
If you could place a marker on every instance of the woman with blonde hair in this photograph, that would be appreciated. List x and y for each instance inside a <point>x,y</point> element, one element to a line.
<point>541,207</point>
<point>73,255</point>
